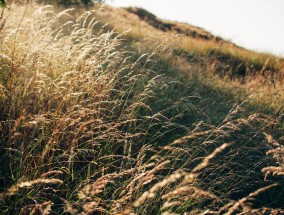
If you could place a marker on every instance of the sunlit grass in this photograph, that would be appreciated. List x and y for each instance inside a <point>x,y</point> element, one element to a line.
<point>263,72</point>
<point>91,125</point>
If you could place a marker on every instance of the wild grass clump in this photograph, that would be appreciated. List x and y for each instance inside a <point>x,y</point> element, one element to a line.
<point>88,127</point>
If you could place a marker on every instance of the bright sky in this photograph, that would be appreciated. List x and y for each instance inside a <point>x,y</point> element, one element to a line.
<point>254,24</point>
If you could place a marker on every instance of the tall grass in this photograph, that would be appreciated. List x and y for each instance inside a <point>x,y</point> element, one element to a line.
<point>88,126</point>
<point>226,63</point>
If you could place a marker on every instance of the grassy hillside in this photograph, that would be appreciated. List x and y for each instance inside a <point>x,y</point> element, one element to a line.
<point>209,56</point>
<point>102,121</point>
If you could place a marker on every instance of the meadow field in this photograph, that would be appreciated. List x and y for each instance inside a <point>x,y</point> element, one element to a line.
<point>108,110</point>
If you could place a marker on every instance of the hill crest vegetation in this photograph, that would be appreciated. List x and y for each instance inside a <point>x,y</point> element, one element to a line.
<point>258,73</point>
<point>97,120</point>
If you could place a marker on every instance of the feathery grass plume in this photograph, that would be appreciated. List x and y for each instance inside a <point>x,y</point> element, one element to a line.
<point>277,152</point>
<point>261,211</point>
<point>190,192</point>
<point>97,187</point>
<point>42,209</point>
<point>93,207</point>
<point>152,191</point>
<point>185,192</point>
<point>51,173</point>
<point>275,171</point>
<point>68,207</point>
<point>241,203</point>
<point>206,160</point>
<point>15,188</point>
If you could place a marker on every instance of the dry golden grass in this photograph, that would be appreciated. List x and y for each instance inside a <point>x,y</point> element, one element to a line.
<point>254,73</point>
<point>90,125</point>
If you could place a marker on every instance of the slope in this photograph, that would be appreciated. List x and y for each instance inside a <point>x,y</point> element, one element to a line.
<point>207,55</point>
<point>99,122</point>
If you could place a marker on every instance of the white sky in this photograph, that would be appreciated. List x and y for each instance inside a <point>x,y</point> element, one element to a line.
<point>254,24</point>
